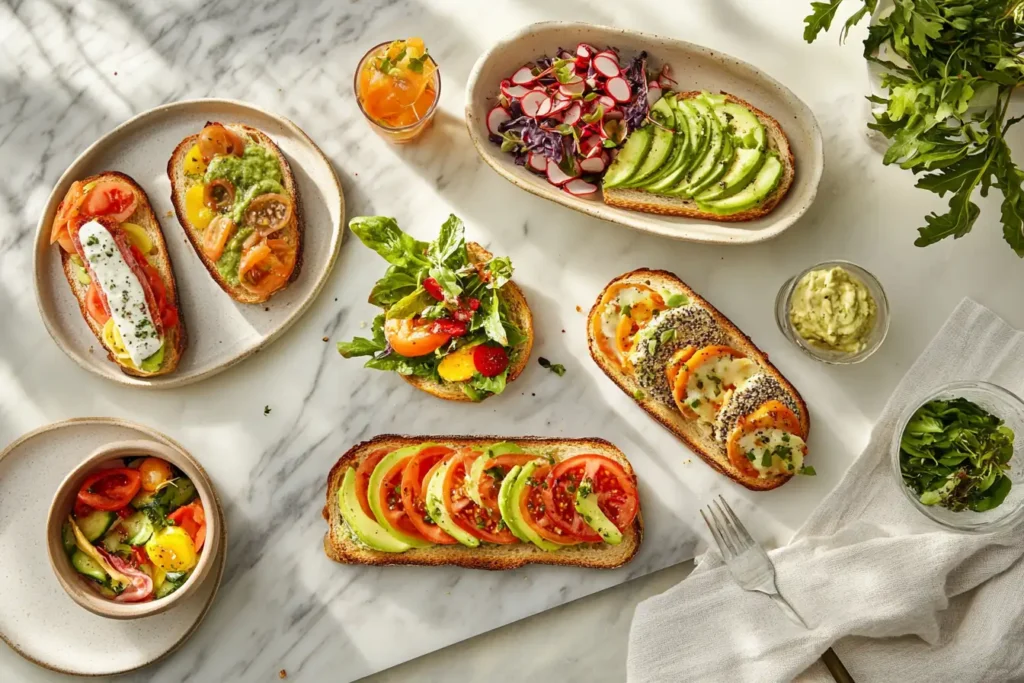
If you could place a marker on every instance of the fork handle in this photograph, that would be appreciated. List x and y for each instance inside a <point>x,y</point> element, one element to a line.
<point>835,667</point>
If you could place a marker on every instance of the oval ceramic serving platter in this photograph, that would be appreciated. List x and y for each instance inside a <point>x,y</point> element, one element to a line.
<point>37,618</point>
<point>221,331</point>
<point>695,68</point>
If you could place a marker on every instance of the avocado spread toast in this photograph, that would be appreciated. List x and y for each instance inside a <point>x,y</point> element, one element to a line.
<point>117,265</point>
<point>454,324</point>
<point>483,503</point>
<point>702,156</point>
<point>695,372</point>
<point>236,198</point>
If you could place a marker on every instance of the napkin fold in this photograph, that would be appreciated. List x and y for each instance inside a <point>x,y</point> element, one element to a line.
<point>897,598</point>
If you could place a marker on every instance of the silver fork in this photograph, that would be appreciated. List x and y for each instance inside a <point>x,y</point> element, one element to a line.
<point>753,570</point>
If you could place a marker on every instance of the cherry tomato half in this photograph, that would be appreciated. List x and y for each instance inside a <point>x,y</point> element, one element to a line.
<point>412,337</point>
<point>616,494</point>
<point>414,496</point>
<point>110,489</point>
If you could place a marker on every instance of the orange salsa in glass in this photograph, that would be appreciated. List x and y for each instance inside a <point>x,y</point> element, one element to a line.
<point>398,85</point>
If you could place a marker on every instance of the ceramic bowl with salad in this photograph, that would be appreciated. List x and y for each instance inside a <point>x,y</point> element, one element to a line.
<point>958,456</point>
<point>133,529</point>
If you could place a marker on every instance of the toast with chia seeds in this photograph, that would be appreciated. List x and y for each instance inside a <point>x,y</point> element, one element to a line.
<point>661,343</point>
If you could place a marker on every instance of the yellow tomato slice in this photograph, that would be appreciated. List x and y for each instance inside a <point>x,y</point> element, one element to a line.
<point>172,550</point>
<point>458,366</point>
<point>194,164</point>
<point>196,211</point>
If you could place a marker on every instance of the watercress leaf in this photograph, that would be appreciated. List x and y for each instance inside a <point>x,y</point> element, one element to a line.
<point>410,305</point>
<point>396,284</point>
<point>449,282</point>
<point>500,269</point>
<point>994,496</point>
<point>383,235</point>
<point>956,223</point>
<point>393,362</point>
<point>450,240</point>
<point>492,325</point>
<point>854,19</point>
<point>359,346</point>
<point>489,385</point>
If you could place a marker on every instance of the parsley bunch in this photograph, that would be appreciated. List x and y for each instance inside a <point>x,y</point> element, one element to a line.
<point>952,54</point>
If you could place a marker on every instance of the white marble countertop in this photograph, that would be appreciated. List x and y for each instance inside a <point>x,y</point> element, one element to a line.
<point>69,71</point>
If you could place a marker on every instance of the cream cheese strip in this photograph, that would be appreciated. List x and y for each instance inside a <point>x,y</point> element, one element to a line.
<point>125,296</point>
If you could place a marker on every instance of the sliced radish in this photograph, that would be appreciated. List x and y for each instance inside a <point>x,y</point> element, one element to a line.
<point>574,80</point>
<point>593,164</point>
<point>606,66</point>
<point>607,102</point>
<point>665,79</point>
<point>592,83</point>
<point>579,187</point>
<point>610,54</point>
<point>558,177</point>
<point>566,55</point>
<point>524,76</point>
<point>559,104</point>
<point>573,89</point>
<point>545,107</point>
<point>590,146</point>
<point>537,162</point>
<point>573,113</point>
<point>618,88</point>
<point>514,92</point>
<point>495,118</point>
<point>531,102</point>
<point>582,51</point>
<point>653,93</point>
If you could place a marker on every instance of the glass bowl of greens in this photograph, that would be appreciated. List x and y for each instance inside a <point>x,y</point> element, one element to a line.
<point>958,456</point>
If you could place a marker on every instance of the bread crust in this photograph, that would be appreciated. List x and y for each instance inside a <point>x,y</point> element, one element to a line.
<point>175,172</point>
<point>695,437</point>
<point>521,315</point>
<point>176,341</point>
<point>639,200</point>
<point>341,548</point>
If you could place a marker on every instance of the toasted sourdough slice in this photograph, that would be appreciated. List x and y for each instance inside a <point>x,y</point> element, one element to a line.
<point>519,315</point>
<point>180,183</point>
<point>177,339</point>
<point>700,438</point>
<point>340,546</point>
<point>640,200</point>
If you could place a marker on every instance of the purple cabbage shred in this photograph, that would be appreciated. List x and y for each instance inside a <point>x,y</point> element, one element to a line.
<point>635,114</point>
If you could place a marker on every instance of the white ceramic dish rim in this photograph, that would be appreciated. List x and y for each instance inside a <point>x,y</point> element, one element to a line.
<point>646,222</point>
<point>219,569</point>
<point>43,249</point>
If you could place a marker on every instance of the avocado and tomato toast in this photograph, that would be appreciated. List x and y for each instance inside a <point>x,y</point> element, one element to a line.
<point>701,155</point>
<point>236,197</point>
<point>697,374</point>
<point>483,503</point>
<point>116,262</point>
<point>454,324</point>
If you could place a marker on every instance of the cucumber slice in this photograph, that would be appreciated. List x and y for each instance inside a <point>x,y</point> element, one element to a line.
<point>138,528</point>
<point>180,491</point>
<point>114,544</point>
<point>168,586</point>
<point>96,523</point>
<point>67,537</point>
<point>86,566</point>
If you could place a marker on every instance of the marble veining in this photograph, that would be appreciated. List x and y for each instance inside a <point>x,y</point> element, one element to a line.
<point>70,71</point>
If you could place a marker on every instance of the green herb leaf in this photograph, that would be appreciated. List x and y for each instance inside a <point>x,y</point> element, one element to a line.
<point>820,18</point>
<point>556,368</point>
<point>676,300</point>
<point>492,319</point>
<point>411,305</point>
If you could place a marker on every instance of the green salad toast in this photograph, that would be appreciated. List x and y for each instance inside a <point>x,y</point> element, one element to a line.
<point>454,324</point>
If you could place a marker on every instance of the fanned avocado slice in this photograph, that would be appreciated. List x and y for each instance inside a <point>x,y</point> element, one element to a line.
<point>630,157</point>
<point>438,512</point>
<point>386,464</point>
<point>712,155</point>
<point>363,526</point>
<point>662,143</point>
<point>764,183</point>
<point>697,139</point>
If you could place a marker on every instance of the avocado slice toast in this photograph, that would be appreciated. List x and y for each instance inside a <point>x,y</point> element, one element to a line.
<point>730,146</point>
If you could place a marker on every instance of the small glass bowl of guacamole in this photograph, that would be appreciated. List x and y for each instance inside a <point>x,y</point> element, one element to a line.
<point>835,312</point>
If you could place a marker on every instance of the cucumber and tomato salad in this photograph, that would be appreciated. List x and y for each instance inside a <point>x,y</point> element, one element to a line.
<point>136,530</point>
<point>432,494</point>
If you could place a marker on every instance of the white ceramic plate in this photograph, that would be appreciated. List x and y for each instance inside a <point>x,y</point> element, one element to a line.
<point>221,332</point>
<point>37,618</point>
<point>695,68</point>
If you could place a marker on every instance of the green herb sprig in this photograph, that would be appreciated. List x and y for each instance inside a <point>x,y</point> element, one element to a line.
<point>954,54</point>
<point>955,454</point>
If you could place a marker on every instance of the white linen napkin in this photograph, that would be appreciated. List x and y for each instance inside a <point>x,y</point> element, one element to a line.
<point>897,598</point>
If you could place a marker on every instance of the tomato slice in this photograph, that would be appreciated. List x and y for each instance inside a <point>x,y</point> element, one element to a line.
<point>269,213</point>
<point>165,309</point>
<point>412,337</point>
<point>110,489</point>
<point>417,473</point>
<point>391,503</point>
<point>485,524</point>
<point>363,473</point>
<point>216,236</point>
<point>216,140</point>
<point>533,508</point>
<point>191,518</point>
<point>617,496</point>
<point>112,198</point>
<point>96,304</point>
<point>489,485</point>
<point>219,194</point>
<point>770,415</point>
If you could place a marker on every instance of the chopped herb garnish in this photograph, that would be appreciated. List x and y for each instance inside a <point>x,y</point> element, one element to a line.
<point>556,368</point>
<point>266,410</point>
